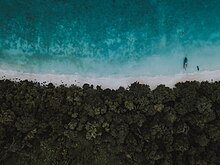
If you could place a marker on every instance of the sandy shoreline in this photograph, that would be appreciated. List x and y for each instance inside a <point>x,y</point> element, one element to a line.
<point>112,82</point>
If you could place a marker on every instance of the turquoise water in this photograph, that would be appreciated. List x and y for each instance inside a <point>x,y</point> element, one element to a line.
<point>109,37</point>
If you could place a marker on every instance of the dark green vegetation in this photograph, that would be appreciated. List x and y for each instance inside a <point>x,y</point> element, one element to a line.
<point>44,124</point>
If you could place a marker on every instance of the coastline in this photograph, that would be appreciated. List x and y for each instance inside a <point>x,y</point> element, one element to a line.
<point>112,82</point>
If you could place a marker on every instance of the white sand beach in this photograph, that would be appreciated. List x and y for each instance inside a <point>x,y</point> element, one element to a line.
<point>112,82</point>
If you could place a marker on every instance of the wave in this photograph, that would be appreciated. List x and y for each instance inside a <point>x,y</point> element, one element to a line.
<point>206,57</point>
<point>109,37</point>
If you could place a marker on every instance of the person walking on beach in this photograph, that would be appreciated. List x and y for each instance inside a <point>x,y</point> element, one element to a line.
<point>185,63</point>
<point>198,68</point>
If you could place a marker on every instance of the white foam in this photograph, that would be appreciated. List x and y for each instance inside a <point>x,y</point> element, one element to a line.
<point>112,82</point>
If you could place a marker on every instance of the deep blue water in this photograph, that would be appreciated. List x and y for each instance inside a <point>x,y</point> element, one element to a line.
<point>105,37</point>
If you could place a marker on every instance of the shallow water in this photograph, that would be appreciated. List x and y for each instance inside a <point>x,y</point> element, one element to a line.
<point>109,37</point>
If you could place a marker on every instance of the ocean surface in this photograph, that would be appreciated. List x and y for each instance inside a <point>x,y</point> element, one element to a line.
<point>109,37</point>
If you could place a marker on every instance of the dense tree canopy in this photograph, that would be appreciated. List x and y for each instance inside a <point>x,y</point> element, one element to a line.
<point>44,124</point>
